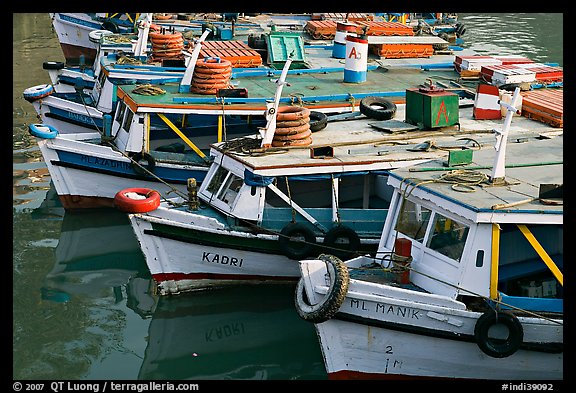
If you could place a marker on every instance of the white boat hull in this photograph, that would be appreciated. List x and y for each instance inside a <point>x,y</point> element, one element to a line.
<point>90,175</point>
<point>179,265</point>
<point>359,351</point>
<point>389,331</point>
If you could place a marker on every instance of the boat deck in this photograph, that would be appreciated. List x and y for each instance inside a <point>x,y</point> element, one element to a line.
<point>529,164</point>
<point>312,89</point>
<point>366,143</point>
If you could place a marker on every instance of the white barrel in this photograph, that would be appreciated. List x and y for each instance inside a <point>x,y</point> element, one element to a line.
<point>342,30</point>
<point>356,64</point>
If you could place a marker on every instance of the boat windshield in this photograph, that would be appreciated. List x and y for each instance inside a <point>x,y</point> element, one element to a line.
<point>447,236</point>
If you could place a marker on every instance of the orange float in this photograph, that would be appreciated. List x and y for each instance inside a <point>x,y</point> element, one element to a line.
<point>137,200</point>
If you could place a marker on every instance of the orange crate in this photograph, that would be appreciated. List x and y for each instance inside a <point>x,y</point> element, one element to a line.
<point>546,106</point>
<point>400,51</point>
<point>237,52</point>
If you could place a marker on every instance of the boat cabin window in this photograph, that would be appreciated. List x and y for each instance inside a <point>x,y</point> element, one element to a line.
<point>413,220</point>
<point>448,237</point>
<point>355,191</point>
<point>521,270</point>
<point>128,120</point>
<point>225,185</point>
<point>230,190</point>
<point>120,111</point>
<point>102,79</point>
<point>216,180</point>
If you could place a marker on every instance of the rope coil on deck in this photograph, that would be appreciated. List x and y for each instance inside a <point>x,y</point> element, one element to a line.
<point>149,90</point>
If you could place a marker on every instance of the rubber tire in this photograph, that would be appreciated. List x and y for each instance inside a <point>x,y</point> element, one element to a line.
<point>318,121</point>
<point>52,65</point>
<point>337,249</point>
<point>329,306</point>
<point>110,26</point>
<point>490,346</point>
<point>510,87</point>
<point>297,250</point>
<point>386,113</point>
<point>146,157</point>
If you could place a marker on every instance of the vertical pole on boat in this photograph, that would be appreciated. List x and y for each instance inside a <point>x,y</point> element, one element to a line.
<point>143,29</point>
<point>498,169</point>
<point>268,132</point>
<point>187,78</point>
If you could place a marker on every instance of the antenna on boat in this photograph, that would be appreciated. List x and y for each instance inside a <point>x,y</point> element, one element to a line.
<point>267,132</point>
<point>192,58</point>
<point>498,168</point>
<point>143,29</point>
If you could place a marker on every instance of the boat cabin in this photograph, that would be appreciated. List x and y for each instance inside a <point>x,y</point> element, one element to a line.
<point>270,193</point>
<point>144,124</point>
<point>502,242</point>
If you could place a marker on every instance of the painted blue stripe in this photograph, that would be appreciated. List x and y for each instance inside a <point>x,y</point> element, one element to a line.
<point>77,81</point>
<point>335,97</point>
<point>354,76</point>
<point>76,118</point>
<point>80,22</point>
<point>339,50</point>
<point>125,170</point>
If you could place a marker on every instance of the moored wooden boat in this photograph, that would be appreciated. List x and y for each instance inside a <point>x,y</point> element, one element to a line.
<point>467,282</point>
<point>254,201</point>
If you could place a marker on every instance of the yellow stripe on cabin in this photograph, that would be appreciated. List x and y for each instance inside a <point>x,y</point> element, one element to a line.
<point>542,253</point>
<point>181,135</point>
<point>494,261</point>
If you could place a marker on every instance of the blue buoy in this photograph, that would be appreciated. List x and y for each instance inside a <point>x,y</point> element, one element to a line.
<point>45,131</point>
<point>342,30</point>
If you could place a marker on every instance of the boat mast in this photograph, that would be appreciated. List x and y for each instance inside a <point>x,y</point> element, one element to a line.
<point>267,133</point>
<point>192,58</point>
<point>498,169</point>
<point>143,29</point>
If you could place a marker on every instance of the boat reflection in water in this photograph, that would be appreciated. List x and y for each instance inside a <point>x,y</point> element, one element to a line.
<point>97,254</point>
<point>237,332</point>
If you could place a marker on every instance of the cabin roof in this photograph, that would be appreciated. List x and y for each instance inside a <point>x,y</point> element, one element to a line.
<point>368,144</point>
<point>528,165</point>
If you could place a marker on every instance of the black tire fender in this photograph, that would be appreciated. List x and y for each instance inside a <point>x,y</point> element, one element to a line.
<point>386,110</point>
<point>142,169</point>
<point>291,244</point>
<point>510,86</point>
<point>331,303</point>
<point>52,65</point>
<point>110,26</point>
<point>318,121</point>
<point>342,241</point>
<point>498,348</point>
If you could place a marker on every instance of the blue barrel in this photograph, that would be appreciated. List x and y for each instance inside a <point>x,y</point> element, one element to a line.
<point>342,30</point>
<point>356,65</point>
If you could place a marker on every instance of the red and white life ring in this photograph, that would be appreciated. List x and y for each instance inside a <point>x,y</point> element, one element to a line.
<point>36,92</point>
<point>137,200</point>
